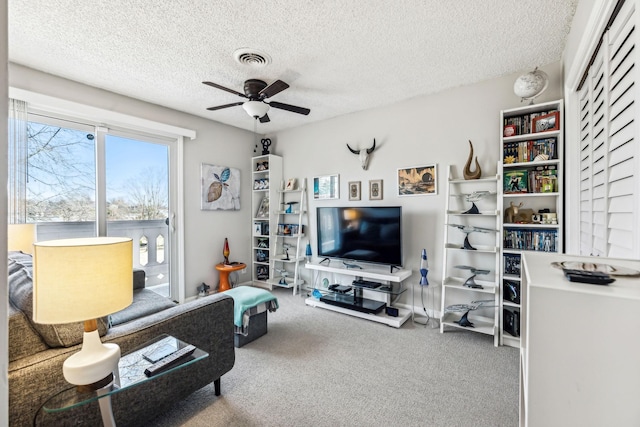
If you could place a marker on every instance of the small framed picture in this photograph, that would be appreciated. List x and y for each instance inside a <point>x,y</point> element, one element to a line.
<point>375,189</point>
<point>354,190</point>
<point>547,122</point>
<point>257,229</point>
<point>291,184</point>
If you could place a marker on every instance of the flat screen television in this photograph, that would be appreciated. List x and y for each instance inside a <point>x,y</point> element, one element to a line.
<point>367,234</point>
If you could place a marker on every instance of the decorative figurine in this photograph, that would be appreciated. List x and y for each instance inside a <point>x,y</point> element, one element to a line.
<point>474,305</point>
<point>286,247</point>
<point>225,251</point>
<point>511,212</point>
<point>290,207</point>
<point>474,197</point>
<point>470,282</point>
<point>467,173</point>
<point>266,143</point>
<point>203,289</point>
<point>468,229</point>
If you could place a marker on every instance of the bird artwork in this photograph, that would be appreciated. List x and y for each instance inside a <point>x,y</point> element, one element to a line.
<point>470,282</point>
<point>468,229</point>
<point>215,189</point>
<point>466,308</point>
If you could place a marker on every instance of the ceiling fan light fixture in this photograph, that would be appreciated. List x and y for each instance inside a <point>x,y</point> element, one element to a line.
<point>256,109</point>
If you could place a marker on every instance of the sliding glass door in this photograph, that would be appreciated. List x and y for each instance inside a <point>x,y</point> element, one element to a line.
<point>84,180</point>
<point>137,203</point>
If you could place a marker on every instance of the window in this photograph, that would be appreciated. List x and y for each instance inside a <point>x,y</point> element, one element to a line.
<point>83,180</point>
<point>609,154</point>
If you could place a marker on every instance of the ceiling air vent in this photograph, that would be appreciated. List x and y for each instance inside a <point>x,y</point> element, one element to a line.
<point>252,57</point>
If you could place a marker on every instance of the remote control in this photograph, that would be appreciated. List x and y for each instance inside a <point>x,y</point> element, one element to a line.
<point>169,361</point>
<point>592,277</point>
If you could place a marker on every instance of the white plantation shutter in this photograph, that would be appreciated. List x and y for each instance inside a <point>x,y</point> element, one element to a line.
<point>609,152</point>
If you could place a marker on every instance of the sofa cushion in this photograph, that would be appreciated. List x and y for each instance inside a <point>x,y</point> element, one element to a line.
<point>23,339</point>
<point>21,296</point>
<point>145,302</point>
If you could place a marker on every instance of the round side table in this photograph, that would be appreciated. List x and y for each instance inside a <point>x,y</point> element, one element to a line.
<point>224,270</point>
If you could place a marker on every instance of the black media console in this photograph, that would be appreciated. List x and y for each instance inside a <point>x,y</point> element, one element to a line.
<point>352,302</point>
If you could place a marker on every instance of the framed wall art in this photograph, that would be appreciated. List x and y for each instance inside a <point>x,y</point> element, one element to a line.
<point>375,189</point>
<point>546,122</point>
<point>354,190</point>
<point>418,181</point>
<point>220,188</point>
<point>326,187</point>
<point>263,209</point>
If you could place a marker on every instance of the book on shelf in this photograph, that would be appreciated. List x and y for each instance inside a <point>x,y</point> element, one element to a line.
<point>531,240</point>
<point>528,151</point>
<point>543,179</point>
<point>516,181</point>
<point>511,264</point>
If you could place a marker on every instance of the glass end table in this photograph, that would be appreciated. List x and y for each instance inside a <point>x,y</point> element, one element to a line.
<point>130,373</point>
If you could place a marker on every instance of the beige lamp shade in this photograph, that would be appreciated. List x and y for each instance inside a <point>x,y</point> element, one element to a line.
<point>20,237</point>
<point>81,279</point>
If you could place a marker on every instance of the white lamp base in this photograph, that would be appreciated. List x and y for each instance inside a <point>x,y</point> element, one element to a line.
<point>93,362</point>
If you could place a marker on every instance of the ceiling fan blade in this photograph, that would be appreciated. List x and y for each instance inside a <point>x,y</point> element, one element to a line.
<point>292,108</point>
<point>219,107</point>
<point>275,87</point>
<point>265,119</point>
<point>217,86</point>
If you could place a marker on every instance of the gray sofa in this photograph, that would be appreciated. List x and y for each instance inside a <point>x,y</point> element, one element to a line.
<point>36,352</point>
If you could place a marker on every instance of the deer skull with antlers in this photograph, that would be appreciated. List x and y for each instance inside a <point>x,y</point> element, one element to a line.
<point>363,154</point>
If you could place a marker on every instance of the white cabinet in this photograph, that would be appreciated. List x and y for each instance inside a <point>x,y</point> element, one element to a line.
<point>266,180</point>
<point>470,285</point>
<point>579,354</point>
<point>362,301</point>
<point>531,149</point>
<point>288,243</point>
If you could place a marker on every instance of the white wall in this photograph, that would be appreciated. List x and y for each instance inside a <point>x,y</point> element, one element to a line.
<point>4,335</point>
<point>215,143</point>
<point>421,131</point>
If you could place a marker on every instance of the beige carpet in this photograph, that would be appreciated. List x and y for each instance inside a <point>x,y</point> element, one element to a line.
<point>319,368</point>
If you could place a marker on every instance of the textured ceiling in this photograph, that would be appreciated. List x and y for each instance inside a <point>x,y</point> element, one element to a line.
<point>338,56</point>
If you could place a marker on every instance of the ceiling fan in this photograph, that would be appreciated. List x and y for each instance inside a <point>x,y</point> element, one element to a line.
<point>256,91</point>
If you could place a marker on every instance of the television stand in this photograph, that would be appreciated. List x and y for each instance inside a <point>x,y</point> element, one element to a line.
<point>352,302</point>
<point>365,302</point>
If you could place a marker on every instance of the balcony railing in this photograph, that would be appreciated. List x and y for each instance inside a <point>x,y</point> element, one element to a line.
<point>150,242</point>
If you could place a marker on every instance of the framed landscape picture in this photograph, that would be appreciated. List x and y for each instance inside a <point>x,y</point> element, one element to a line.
<point>418,181</point>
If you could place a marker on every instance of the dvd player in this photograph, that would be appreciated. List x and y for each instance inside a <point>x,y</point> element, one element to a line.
<point>363,305</point>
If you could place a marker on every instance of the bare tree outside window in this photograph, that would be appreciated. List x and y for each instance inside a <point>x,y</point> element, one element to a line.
<point>61,181</point>
<point>60,174</point>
